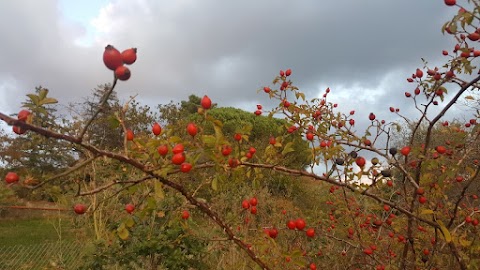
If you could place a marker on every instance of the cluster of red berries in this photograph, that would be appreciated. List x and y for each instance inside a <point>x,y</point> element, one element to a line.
<point>250,204</point>
<point>258,112</point>
<point>116,61</point>
<point>22,116</point>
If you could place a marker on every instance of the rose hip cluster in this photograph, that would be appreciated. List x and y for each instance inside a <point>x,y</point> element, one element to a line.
<point>116,61</point>
<point>23,116</point>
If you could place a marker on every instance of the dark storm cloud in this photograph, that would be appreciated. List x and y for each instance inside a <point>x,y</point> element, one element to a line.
<point>226,49</point>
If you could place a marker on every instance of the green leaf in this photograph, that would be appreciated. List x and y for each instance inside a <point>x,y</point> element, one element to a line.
<point>42,94</point>
<point>426,212</point>
<point>159,192</point>
<point>129,222</point>
<point>468,18</point>
<point>445,232</point>
<point>174,139</point>
<point>465,243</point>
<point>123,232</point>
<point>113,122</point>
<point>215,183</point>
<point>47,101</point>
<point>288,148</point>
<point>453,27</point>
<point>209,140</point>
<point>34,99</point>
<point>256,183</point>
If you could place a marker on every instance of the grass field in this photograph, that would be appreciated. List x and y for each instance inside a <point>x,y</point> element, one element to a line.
<point>35,231</point>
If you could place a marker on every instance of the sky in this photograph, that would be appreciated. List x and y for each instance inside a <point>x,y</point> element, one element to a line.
<point>362,50</point>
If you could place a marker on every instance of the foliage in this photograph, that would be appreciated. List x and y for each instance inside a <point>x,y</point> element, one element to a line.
<point>412,206</point>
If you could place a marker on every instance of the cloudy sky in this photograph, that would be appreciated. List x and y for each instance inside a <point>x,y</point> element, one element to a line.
<point>362,50</point>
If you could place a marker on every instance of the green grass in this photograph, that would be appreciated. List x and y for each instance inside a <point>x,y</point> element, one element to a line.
<point>35,231</point>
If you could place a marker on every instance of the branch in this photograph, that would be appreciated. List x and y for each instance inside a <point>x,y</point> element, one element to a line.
<point>462,195</point>
<point>340,184</point>
<point>104,187</point>
<point>446,108</point>
<point>65,173</point>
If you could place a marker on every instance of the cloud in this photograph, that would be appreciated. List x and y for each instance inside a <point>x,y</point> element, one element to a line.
<point>227,50</point>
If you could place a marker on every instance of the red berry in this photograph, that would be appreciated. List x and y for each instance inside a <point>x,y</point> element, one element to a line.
<point>112,58</point>
<point>233,162</point>
<point>192,129</point>
<point>419,73</point>
<point>473,36</point>
<point>178,148</point>
<point>185,167</point>
<point>309,136</point>
<point>371,116</point>
<point>130,135</point>
<point>450,2</point>
<point>253,201</point>
<point>310,232</point>
<point>273,233</point>
<point>272,140</point>
<point>163,150</point>
<point>300,224</point>
<point>368,251</point>
<point>129,56</point>
<point>253,210</point>
<point>129,208</point>
<point>156,129</point>
<point>422,199</point>
<point>468,219</point>
<point>291,224</point>
<point>18,130</point>
<point>441,149</point>
<point>237,136</point>
<point>185,214</point>
<point>80,209</point>
<point>23,115</point>
<point>206,102</point>
<point>122,73</point>
<point>267,89</point>
<point>405,150</point>
<point>245,204</point>
<point>226,150</point>
<point>475,222</point>
<point>360,161</point>
<point>178,158</point>
<point>11,177</point>
<point>288,72</point>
